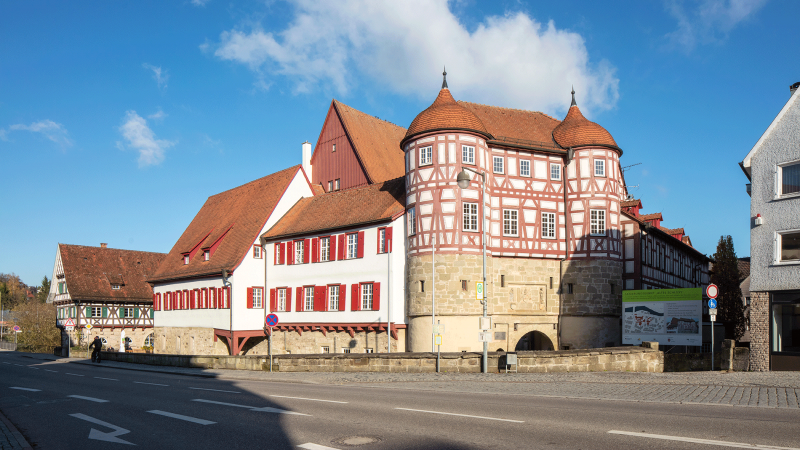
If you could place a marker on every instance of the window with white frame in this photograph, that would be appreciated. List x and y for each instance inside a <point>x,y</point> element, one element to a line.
<point>308,298</point>
<point>789,246</point>
<point>257,251</point>
<point>345,350</point>
<point>115,286</point>
<point>337,185</point>
<point>333,298</point>
<point>789,178</point>
<point>412,221</point>
<point>127,313</point>
<point>597,224</point>
<point>555,171</point>
<point>426,156</point>
<point>366,296</point>
<point>470,216</point>
<point>467,154</point>
<point>333,148</point>
<point>97,311</point>
<point>548,225</point>
<point>382,240</point>
<point>599,167</point>
<point>524,168</point>
<point>298,252</point>
<point>325,349</point>
<point>185,259</point>
<point>258,297</point>
<point>325,249</point>
<point>510,222</point>
<point>352,245</point>
<point>281,299</point>
<point>369,350</point>
<point>206,255</point>
<point>497,164</point>
<point>330,186</point>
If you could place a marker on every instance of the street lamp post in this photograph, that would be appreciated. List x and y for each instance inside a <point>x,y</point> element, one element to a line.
<point>463,180</point>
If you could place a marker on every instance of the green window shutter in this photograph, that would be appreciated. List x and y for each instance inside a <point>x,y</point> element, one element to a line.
<point>150,312</point>
<point>105,312</point>
<point>60,288</point>
<point>136,313</point>
<point>88,311</point>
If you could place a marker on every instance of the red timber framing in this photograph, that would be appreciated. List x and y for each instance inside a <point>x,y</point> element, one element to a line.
<point>239,338</point>
<point>350,328</point>
<point>343,163</point>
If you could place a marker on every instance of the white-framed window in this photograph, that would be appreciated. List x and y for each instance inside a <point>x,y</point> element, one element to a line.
<point>369,350</point>
<point>510,223</point>
<point>498,164</point>
<point>185,259</point>
<point>467,154</point>
<point>366,296</point>
<point>345,350</point>
<point>97,311</point>
<point>206,255</point>
<point>308,298</point>
<point>127,313</point>
<point>298,252</point>
<point>352,245</point>
<point>337,184</point>
<point>115,286</point>
<point>257,251</point>
<point>325,249</point>
<point>281,299</point>
<point>788,182</point>
<point>555,171</point>
<point>148,341</point>
<point>325,349</point>
<point>330,186</point>
<point>524,168</point>
<point>62,287</point>
<point>333,297</point>
<point>548,225</point>
<point>597,218</point>
<point>381,240</point>
<point>788,246</point>
<point>412,221</point>
<point>426,156</point>
<point>258,297</point>
<point>333,148</point>
<point>599,167</point>
<point>470,216</point>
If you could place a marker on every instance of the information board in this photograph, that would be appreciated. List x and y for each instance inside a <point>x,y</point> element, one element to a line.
<point>666,316</point>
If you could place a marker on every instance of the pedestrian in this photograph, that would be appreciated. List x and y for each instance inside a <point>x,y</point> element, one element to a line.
<point>97,345</point>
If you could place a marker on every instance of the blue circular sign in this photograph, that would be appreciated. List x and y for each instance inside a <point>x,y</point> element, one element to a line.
<point>272,320</point>
<point>712,303</point>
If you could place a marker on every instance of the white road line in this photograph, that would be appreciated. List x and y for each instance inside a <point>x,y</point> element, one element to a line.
<point>701,441</point>
<point>251,408</point>
<point>312,399</point>
<point>25,389</point>
<point>311,446</point>
<point>7,363</point>
<point>182,417</point>
<point>151,384</point>
<point>109,379</point>
<point>18,364</point>
<point>462,415</point>
<point>215,390</point>
<point>48,370</point>
<point>91,399</point>
<point>74,374</point>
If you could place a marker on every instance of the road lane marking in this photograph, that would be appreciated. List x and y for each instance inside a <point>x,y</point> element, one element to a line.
<point>151,384</point>
<point>462,415</point>
<point>25,389</point>
<point>7,363</point>
<point>312,399</point>
<point>18,364</point>
<point>251,408</point>
<point>215,390</point>
<point>310,446</point>
<point>182,417</point>
<point>700,441</point>
<point>110,379</point>
<point>74,374</point>
<point>91,399</point>
<point>100,436</point>
<point>48,370</point>
<point>31,367</point>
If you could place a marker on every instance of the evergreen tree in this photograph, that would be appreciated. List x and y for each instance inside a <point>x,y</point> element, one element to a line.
<point>729,300</point>
<point>44,290</point>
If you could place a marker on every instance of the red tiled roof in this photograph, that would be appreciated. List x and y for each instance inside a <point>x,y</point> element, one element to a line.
<point>341,209</point>
<point>632,202</point>
<point>376,143</point>
<point>651,216</point>
<point>686,241</point>
<point>515,123</point>
<point>577,131</point>
<point>672,231</point>
<point>90,271</point>
<point>241,212</point>
<point>744,268</point>
<point>445,113</point>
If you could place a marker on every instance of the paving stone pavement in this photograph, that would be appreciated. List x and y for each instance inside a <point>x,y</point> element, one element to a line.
<point>10,437</point>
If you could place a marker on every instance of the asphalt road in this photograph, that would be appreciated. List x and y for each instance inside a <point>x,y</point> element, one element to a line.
<point>64,405</point>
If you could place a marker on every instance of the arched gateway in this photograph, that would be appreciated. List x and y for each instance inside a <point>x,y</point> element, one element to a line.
<point>534,340</point>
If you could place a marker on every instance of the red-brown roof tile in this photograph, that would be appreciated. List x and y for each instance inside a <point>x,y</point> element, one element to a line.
<point>342,209</point>
<point>90,272</point>
<point>651,216</point>
<point>577,131</point>
<point>445,113</point>
<point>517,124</point>
<point>672,231</point>
<point>632,202</point>
<point>239,214</point>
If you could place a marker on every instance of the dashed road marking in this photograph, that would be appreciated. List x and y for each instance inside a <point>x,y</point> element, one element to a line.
<point>91,399</point>
<point>182,417</point>
<point>700,441</point>
<point>462,415</point>
<point>74,374</point>
<point>310,446</point>
<point>25,389</point>
<point>311,399</point>
<point>215,390</point>
<point>109,379</point>
<point>151,384</point>
<point>251,408</point>
<point>48,370</point>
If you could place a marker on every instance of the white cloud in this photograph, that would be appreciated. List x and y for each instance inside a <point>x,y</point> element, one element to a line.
<point>161,76</point>
<point>158,115</point>
<point>509,60</point>
<point>708,21</point>
<point>3,135</point>
<point>142,139</point>
<point>200,2</point>
<point>47,128</point>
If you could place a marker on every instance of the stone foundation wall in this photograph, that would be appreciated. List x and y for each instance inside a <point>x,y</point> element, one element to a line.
<point>759,331</point>
<point>113,337</point>
<point>188,341</point>
<point>591,288</point>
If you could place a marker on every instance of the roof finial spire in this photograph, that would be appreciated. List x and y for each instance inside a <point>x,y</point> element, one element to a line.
<point>573,97</point>
<point>444,78</point>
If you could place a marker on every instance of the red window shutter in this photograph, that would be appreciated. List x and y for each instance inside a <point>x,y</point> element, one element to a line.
<point>273,300</point>
<point>389,239</point>
<point>319,298</point>
<point>306,250</point>
<point>185,299</point>
<point>206,299</point>
<point>355,297</point>
<point>332,249</point>
<point>290,252</point>
<point>315,250</point>
<point>343,297</point>
<point>250,298</point>
<point>214,292</point>
<point>360,253</point>
<point>376,296</point>
<point>288,299</point>
<point>299,300</point>
<point>167,305</point>
<point>341,247</point>
<point>155,304</point>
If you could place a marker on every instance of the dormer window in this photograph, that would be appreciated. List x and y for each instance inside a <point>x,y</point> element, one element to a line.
<point>115,287</point>
<point>185,259</point>
<point>206,255</point>
<point>333,149</point>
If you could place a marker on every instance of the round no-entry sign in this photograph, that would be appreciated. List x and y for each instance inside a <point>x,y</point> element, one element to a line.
<point>712,290</point>
<point>272,320</point>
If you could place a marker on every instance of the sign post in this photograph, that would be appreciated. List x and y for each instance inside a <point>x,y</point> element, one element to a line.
<point>271,320</point>
<point>17,329</point>
<point>87,330</point>
<point>712,290</point>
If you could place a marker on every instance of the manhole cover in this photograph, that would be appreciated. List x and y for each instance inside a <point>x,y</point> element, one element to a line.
<point>356,440</point>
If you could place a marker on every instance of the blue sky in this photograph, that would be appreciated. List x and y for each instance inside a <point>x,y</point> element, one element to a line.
<point>118,119</point>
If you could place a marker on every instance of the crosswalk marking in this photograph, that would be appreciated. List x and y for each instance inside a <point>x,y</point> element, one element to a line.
<point>182,417</point>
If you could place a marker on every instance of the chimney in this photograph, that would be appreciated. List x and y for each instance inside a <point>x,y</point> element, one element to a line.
<point>103,245</point>
<point>307,160</point>
<point>793,88</point>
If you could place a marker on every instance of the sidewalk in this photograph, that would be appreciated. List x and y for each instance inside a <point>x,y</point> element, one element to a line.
<point>10,437</point>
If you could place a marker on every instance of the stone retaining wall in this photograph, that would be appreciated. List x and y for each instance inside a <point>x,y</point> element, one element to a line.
<point>730,358</point>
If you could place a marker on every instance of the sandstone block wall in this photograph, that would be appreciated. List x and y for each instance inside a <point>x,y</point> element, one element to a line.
<point>113,337</point>
<point>188,341</point>
<point>759,331</point>
<point>592,288</point>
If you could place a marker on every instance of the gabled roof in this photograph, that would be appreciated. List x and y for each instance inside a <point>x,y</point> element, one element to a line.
<point>90,272</point>
<point>445,114</point>
<point>241,211</point>
<point>745,164</point>
<point>342,209</point>
<point>508,124</point>
<point>375,142</point>
<point>631,203</point>
<point>651,216</point>
<point>684,241</point>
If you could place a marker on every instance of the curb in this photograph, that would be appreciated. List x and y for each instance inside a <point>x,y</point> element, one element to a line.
<point>15,434</point>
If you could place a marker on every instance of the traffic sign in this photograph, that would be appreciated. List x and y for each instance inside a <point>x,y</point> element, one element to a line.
<point>712,311</point>
<point>713,318</point>
<point>712,291</point>
<point>17,328</point>
<point>88,326</point>
<point>438,339</point>
<point>712,304</point>
<point>69,323</point>
<point>69,328</point>
<point>272,320</point>
<point>479,290</point>
<point>438,328</point>
<point>485,336</point>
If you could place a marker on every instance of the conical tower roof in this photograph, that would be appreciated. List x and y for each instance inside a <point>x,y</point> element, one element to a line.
<point>578,131</point>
